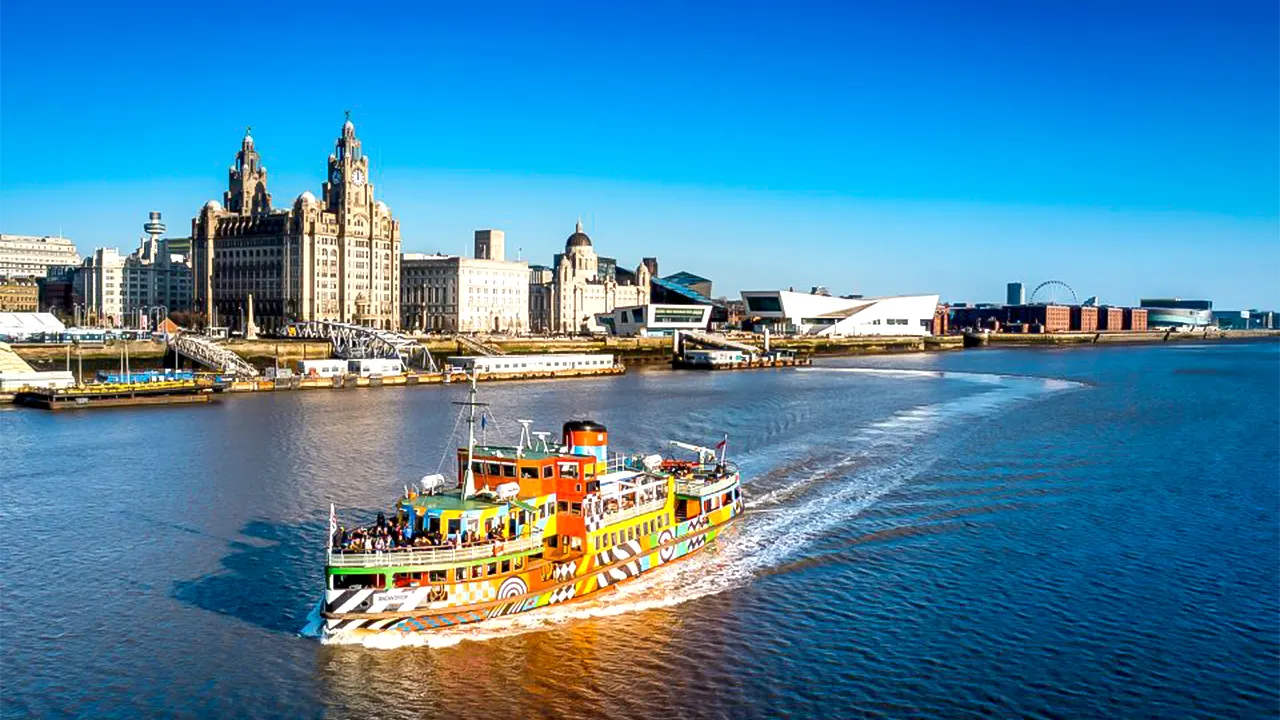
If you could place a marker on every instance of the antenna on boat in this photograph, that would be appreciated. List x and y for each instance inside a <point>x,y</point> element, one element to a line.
<point>542,436</point>
<point>525,440</point>
<point>468,477</point>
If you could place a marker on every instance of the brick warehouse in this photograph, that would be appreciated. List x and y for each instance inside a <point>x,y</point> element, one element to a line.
<point>1135,319</point>
<point>1084,318</point>
<point>1111,319</point>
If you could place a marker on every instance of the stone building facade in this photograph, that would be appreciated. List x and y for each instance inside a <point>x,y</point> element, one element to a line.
<point>336,257</point>
<point>33,255</point>
<point>19,294</point>
<point>448,293</point>
<point>577,291</point>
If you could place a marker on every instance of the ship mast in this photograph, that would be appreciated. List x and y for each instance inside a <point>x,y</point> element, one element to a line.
<point>468,476</point>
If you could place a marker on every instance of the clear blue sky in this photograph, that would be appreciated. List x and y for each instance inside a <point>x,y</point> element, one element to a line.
<point>1129,149</point>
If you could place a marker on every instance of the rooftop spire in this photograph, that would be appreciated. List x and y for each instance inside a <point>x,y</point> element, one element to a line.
<point>578,227</point>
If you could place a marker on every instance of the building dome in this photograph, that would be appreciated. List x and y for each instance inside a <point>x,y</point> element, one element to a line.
<point>305,197</point>
<point>382,207</point>
<point>578,238</point>
<point>212,205</point>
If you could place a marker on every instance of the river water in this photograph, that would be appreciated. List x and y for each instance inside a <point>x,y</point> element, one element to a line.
<point>1042,533</point>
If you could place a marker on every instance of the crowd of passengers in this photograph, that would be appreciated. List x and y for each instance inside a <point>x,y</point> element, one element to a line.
<point>386,536</point>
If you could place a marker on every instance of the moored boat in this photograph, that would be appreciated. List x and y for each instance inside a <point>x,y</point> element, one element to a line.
<point>524,526</point>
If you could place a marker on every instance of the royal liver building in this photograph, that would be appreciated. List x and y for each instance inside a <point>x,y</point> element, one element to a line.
<point>332,258</point>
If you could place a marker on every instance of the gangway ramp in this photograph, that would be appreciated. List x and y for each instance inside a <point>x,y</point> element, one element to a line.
<point>719,342</point>
<point>210,354</point>
<point>477,347</point>
<point>358,342</point>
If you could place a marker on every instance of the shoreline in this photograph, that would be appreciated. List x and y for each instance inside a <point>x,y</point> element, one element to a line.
<point>633,352</point>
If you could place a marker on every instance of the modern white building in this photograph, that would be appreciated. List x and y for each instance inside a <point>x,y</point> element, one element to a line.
<point>805,314</point>
<point>450,293</point>
<point>654,320</point>
<point>100,283</point>
<point>32,255</point>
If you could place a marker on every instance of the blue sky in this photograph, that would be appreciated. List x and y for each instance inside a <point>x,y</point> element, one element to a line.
<point>1129,149</point>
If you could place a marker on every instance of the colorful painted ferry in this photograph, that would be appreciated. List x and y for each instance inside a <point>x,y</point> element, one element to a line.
<point>524,526</point>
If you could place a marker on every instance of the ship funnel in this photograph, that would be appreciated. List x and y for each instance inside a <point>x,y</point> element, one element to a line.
<point>585,437</point>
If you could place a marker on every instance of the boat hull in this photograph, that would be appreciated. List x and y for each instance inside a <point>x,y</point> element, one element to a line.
<point>404,611</point>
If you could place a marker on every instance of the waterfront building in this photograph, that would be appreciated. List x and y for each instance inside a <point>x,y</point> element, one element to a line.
<point>449,293</point>
<point>1176,312</point>
<point>1135,319</point>
<point>1111,318</point>
<point>1048,318</point>
<point>155,276</point>
<point>578,292</point>
<point>654,319</point>
<point>100,282</point>
<point>1015,294</point>
<point>336,257</point>
<point>797,313</point>
<point>1084,318</point>
<point>58,293</point>
<point>32,255</point>
<point>19,294</point>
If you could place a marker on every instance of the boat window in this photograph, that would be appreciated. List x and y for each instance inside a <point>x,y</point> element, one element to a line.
<point>548,472</point>
<point>597,542</point>
<point>460,573</point>
<point>613,538</point>
<point>494,470</point>
<point>477,467</point>
<point>476,571</point>
<point>562,506</point>
<point>493,569</point>
<point>437,576</point>
<point>509,471</point>
<point>520,562</point>
<point>569,470</point>
<point>343,582</point>
<point>593,486</point>
<point>529,473</point>
<point>576,508</point>
<point>506,566</point>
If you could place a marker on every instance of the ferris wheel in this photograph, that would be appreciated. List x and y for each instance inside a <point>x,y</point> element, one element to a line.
<point>1054,292</point>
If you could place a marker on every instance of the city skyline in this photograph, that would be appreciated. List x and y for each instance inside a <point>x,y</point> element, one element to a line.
<point>1114,162</point>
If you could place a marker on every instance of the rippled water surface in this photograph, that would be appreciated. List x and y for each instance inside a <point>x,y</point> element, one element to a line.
<point>1084,532</point>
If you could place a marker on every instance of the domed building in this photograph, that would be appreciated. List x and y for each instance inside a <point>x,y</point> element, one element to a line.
<point>567,297</point>
<point>333,257</point>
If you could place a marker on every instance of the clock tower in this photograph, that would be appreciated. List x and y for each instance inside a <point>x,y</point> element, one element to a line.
<point>347,187</point>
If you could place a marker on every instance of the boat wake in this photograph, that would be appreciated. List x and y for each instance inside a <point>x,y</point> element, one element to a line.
<point>785,514</point>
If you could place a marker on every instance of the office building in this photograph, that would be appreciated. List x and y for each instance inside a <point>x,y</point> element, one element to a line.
<point>100,283</point>
<point>32,255</point>
<point>336,257</point>
<point>1015,294</point>
<point>448,293</point>
<point>578,292</point>
<point>19,294</point>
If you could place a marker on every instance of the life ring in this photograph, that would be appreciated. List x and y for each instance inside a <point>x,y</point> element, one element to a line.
<point>497,549</point>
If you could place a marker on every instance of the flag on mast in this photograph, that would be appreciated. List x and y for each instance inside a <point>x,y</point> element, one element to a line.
<point>723,447</point>
<point>333,523</point>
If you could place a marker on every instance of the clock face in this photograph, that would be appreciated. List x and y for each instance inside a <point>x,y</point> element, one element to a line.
<point>337,176</point>
<point>357,177</point>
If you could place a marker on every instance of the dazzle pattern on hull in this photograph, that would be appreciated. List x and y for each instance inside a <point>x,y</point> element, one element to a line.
<point>607,568</point>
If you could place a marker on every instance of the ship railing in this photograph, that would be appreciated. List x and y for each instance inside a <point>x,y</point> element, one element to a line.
<point>626,513</point>
<point>435,555</point>
<point>697,487</point>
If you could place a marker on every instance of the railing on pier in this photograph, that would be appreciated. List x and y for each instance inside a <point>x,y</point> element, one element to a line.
<point>434,555</point>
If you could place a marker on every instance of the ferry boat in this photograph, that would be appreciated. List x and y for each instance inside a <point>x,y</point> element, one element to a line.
<point>524,526</point>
